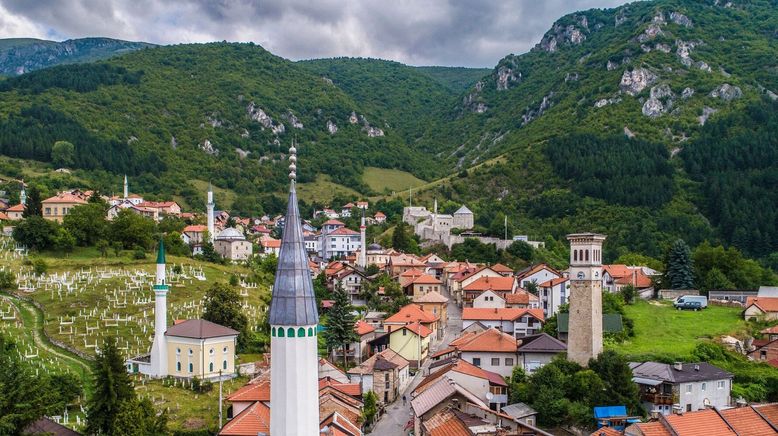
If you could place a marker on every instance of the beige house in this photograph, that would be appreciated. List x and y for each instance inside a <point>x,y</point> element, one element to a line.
<point>15,212</point>
<point>55,208</point>
<point>196,347</point>
<point>422,285</point>
<point>435,304</point>
<point>232,245</point>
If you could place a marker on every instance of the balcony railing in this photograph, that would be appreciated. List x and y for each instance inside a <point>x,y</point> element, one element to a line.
<point>666,399</point>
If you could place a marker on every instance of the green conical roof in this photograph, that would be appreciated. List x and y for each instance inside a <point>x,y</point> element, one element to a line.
<point>161,251</point>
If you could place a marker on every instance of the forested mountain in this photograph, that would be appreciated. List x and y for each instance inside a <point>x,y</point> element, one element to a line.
<point>22,55</point>
<point>648,122</point>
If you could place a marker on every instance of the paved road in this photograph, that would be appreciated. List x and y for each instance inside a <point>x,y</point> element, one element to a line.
<point>397,415</point>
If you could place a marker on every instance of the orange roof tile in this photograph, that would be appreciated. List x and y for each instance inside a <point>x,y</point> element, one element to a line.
<point>251,421</point>
<point>507,314</point>
<point>462,367</point>
<point>380,214</point>
<point>411,313</point>
<point>769,411</point>
<point>431,297</point>
<point>65,198</point>
<point>363,328</point>
<point>491,340</point>
<point>500,268</point>
<point>654,428</point>
<point>195,228</point>
<point>352,389</point>
<point>552,282</point>
<point>333,223</point>
<point>746,420</point>
<point>446,423</point>
<point>537,268</point>
<point>3,216</point>
<point>492,284</point>
<point>606,431</point>
<point>251,392</point>
<point>343,231</point>
<point>417,328</point>
<point>766,304</point>
<point>338,425</point>
<point>636,278</point>
<point>701,422</point>
<point>520,297</point>
<point>18,208</point>
<point>426,279</point>
<point>770,330</point>
<point>617,270</point>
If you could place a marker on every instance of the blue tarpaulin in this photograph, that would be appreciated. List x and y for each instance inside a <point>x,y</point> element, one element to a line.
<point>609,411</point>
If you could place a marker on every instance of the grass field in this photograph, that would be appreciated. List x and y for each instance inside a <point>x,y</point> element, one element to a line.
<point>387,180</point>
<point>662,330</point>
<point>222,197</point>
<point>323,190</point>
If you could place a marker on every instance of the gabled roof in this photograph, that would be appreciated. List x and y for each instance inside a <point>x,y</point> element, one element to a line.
<point>411,313</point>
<point>426,279</point>
<point>333,223</point>
<point>418,329</point>
<point>770,330</point>
<point>499,314</point>
<point>199,329</point>
<point>765,304</point>
<point>701,422</point>
<point>487,283</point>
<point>17,208</point>
<point>518,410</point>
<point>363,328</point>
<point>195,228</point>
<point>368,365</point>
<point>438,392</point>
<point>489,340</point>
<point>249,422</point>
<point>343,231</point>
<point>64,198</point>
<point>520,297</point>
<point>541,343</point>
<point>690,372</point>
<point>769,412</point>
<point>337,425</point>
<point>251,392</point>
<point>462,367</point>
<point>536,268</point>
<point>747,421</point>
<point>500,268</point>
<point>553,282</point>
<point>430,297</point>
<point>446,423</point>
<point>352,389</point>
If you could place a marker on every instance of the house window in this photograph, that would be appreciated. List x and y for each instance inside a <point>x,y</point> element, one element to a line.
<point>477,361</point>
<point>178,366</point>
<point>224,364</point>
<point>405,332</point>
<point>210,367</point>
<point>762,354</point>
<point>688,407</point>
<point>509,361</point>
<point>190,352</point>
<point>191,367</point>
<point>721,384</point>
<point>689,388</point>
<point>704,385</point>
<point>495,361</point>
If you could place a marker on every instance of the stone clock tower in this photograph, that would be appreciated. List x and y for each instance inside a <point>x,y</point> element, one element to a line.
<point>585,330</point>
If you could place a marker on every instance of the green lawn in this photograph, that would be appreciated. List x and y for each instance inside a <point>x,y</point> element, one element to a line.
<point>662,330</point>
<point>387,180</point>
<point>323,190</point>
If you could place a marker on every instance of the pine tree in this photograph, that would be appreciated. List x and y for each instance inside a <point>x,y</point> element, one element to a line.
<point>113,387</point>
<point>33,206</point>
<point>614,370</point>
<point>400,239</point>
<point>340,323</point>
<point>679,269</point>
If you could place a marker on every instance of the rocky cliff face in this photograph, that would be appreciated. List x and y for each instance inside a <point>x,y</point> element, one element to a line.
<point>19,56</point>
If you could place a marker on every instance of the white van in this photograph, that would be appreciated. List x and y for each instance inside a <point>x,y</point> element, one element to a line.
<point>694,302</point>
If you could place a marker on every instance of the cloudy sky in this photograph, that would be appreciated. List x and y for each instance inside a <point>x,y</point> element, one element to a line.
<point>422,32</point>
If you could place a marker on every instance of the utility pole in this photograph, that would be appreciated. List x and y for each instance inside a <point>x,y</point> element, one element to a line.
<point>506,227</point>
<point>221,401</point>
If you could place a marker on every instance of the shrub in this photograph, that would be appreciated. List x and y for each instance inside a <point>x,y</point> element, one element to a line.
<point>39,266</point>
<point>138,253</point>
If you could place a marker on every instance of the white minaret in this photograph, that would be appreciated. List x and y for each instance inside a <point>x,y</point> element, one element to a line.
<point>362,261</point>
<point>209,206</point>
<point>126,188</point>
<point>159,347</point>
<point>294,386</point>
<point>585,337</point>
<point>23,195</point>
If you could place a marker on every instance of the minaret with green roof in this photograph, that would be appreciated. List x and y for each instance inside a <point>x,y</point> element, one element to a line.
<point>159,347</point>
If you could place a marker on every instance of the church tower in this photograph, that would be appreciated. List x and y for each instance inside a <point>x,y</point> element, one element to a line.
<point>209,211</point>
<point>126,188</point>
<point>294,387</point>
<point>585,330</point>
<point>159,347</point>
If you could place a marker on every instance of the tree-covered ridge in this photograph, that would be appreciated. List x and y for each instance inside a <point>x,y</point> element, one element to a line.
<point>456,78</point>
<point>79,78</point>
<point>404,97</point>
<point>736,162</point>
<point>619,170</point>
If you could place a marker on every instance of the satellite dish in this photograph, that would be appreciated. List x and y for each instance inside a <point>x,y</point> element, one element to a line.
<point>489,396</point>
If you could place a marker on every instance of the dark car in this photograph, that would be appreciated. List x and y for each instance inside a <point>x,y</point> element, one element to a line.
<point>689,305</point>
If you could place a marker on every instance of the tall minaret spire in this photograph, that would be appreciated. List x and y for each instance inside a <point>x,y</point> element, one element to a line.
<point>126,188</point>
<point>362,261</point>
<point>159,347</point>
<point>294,386</point>
<point>209,208</point>
<point>23,195</point>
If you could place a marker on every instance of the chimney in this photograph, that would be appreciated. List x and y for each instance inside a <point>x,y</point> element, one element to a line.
<point>654,414</point>
<point>678,366</point>
<point>696,367</point>
<point>677,409</point>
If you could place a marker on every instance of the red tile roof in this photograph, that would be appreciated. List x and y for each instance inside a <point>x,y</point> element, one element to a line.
<point>18,208</point>
<point>411,313</point>
<point>537,268</point>
<point>380,214</point>
<point>333,223</point>
<point>363,328</point>
<point>490,340</point>
<point>520,297</point>
<point>251,421</point>
<point>343,231</point>
<point>492,284</point>
<point>417,328</point>
<point>3,216</point>
<point>701,422</point>
<point>654,428</point>
<point>430,297</point>
<point>426,279</point>
<point>338,425</point>
<point>552,282</point>
<point>606,431</point>
<point>769,411</point>
<point>770,330</point>
<point>251,392</point>
<point>500,268</point>
<point>65,198</point>
<point>353,389</point>
<point>766,304</point>
<point>462,367</point>
<point>636,278</point>
<point>195,228</point>
<point>497,314</point>
<point>446,423</point>
<point>745,420</point>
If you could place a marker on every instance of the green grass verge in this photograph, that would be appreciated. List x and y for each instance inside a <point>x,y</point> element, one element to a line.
<point>390,180</point>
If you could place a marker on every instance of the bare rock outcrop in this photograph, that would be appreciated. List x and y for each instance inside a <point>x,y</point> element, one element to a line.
<point>635,81</point>
<point>706,113</point>
<point>680,19</point>
<point>332,127</point>
<point>726,92</point>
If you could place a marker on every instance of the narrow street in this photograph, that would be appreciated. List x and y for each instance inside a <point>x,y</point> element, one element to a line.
<point>397,416</point>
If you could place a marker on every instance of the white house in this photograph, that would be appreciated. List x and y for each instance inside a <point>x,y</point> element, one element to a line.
<point>693,386</point>
<point>537,274</point>
<point>552,294</point>
<point>337,241</point>
<point>518,322</point>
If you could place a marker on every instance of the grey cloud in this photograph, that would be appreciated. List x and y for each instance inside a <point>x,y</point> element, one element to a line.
<point>430,32</point>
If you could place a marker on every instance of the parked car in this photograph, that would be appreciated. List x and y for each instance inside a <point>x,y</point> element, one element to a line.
<point>693,302</point>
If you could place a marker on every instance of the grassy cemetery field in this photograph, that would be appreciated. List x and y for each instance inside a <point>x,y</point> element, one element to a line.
<point>662,330</point>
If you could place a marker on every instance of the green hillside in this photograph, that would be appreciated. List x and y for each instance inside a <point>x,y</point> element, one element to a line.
<point>456,78</point>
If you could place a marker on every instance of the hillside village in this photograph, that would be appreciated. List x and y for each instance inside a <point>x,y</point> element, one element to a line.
<point>444,341</point>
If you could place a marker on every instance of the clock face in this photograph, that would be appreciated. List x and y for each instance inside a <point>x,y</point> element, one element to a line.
<point>580,274</point>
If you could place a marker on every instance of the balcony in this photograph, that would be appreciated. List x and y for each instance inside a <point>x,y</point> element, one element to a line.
<point>660,399</point>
